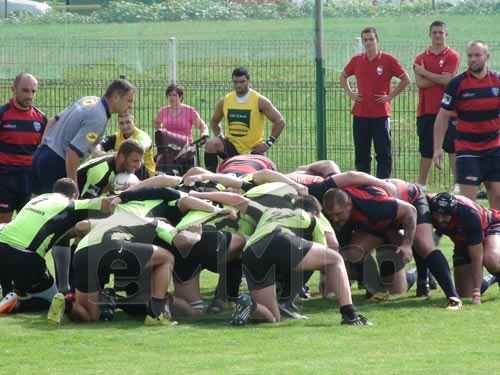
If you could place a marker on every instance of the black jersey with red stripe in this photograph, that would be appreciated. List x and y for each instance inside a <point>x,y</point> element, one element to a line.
<point>477,103</point>
<point>20,134</point>
<point>241,165</point>
<point>372,209</point>
<point>469,223</point>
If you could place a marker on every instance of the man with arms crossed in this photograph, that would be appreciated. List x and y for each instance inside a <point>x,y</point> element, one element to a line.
<point>434,68</point>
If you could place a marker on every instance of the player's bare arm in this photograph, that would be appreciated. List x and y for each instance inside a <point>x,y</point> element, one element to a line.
<point>403,83</point>
<point>440,126</point>
<point>217,117</point>
<point>72,164</point>
<point>476,256</point>
<point>354,96</point>
<point>407,214</point>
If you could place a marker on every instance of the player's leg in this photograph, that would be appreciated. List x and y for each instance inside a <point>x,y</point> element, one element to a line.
<point>213,148</point>
<point>491,250</point>
<point>187,300</point>
<point>332,264</point>
<point>381,132</point>
<point>362,144</point>
<point>425,132</point>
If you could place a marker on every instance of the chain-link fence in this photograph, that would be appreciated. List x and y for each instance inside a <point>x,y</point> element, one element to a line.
<point>284,71</point>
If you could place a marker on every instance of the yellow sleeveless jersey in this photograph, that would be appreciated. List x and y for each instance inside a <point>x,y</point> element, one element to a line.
<point>245,124</point>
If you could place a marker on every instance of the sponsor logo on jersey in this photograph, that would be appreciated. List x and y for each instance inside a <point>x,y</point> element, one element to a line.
<point>91,137</point>
<point>446,99</point>
<point>88,102</point>
<point>8,125</point>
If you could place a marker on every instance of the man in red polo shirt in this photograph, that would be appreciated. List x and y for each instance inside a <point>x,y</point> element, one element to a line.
<point>371,112</point>
<point>434,68</point>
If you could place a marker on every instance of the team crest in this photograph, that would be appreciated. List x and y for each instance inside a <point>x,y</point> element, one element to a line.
<point>91,137</point>
<point>495,91</point>
<point>380,70</point>
<point>37,126</point>
<point>441,63</point>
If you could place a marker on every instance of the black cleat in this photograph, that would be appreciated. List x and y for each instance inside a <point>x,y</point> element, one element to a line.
<point>423,291</point>
<point>359,320</point>
<point>242,310</point>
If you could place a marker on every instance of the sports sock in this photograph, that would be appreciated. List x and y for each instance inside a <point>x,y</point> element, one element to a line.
<point>488,280</point>
<point>438,265</point>
<point>211,162</point>
<point>62,258</point>
<point>156,306</point>
<point>422,269</point>
<point>349,311</point>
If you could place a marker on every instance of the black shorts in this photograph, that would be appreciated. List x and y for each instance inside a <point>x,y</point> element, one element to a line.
<point>424,215</point>
<point>125,260</point>
<point>425,132</point>
<point>14,192</point>
<point>229,149</point>
<point>473,170</point>
<point>208,253</point>
<point>26,269</point>
<point>46,168</point>
<point>273,256</point>
<point>449,136</point>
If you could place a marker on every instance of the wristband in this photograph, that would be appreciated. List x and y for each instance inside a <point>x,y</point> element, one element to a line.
<point>220,136</point>
<point>270,141</point>
<point>217,210</point>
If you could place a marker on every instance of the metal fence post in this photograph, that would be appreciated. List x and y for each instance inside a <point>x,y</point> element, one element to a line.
<point>172,60</point>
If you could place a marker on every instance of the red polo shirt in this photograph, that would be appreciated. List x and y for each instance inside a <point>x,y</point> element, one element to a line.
<point>373,78</point>
<point>446,61</point>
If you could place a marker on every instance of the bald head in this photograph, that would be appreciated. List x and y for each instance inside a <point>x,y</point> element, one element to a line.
<point>24,90</point>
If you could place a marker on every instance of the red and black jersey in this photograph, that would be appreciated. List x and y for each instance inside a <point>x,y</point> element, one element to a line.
<point>20,134</point>
<point>405,191</point>
<point>241,165</point>
<point>372,209</point>
<point>477,104</point>
<point>317,186</point>
<point>469,223</point>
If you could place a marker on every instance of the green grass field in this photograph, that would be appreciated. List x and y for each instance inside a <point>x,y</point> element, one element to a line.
<point>409,336</point>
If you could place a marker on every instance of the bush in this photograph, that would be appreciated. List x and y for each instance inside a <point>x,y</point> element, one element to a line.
<point>172,10</point>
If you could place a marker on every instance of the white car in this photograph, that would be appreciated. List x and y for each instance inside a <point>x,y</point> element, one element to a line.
<point>35,8</point>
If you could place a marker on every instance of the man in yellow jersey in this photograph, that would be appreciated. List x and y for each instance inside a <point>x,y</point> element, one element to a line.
<point>245,112</point>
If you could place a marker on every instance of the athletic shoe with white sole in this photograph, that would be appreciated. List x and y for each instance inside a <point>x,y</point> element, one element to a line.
<point>359,320</point>
<point>288,311</point>
<point>156,321</point>
<point>242,310</point>
<point>377,296</point>
<point>454,303</point>
<point>56,310</point>
<point>8,303</point>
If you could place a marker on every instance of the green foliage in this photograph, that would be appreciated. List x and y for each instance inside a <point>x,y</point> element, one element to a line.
<point>154,11</point>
